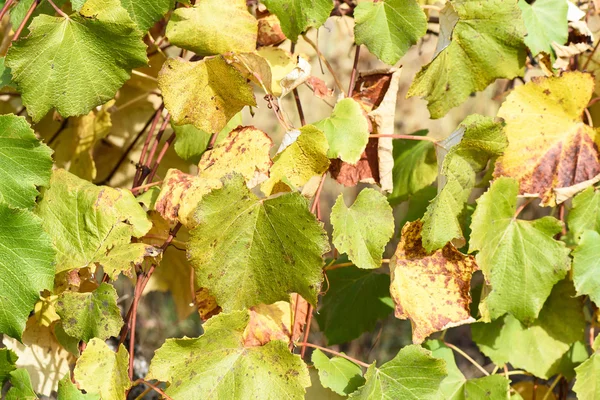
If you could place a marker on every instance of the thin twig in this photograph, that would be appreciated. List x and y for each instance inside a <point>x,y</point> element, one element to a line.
<point>156,389</point>
<point>137,180</point>
<point>335,353</point>
<point>306,329</point>
<point>136,299</point>
<point>157,140</point>
<point>5,8</point>
<point>299,106</point>
<point>522,207</point>
<point>354,71</point>
<point>142,75</point>
<point>62,127</point>
<point>146,186</point>
<point>160,156</point>
<point>25,20</point>
<point>329,67</point>
<point>58,10</point>
<point>552,386</point>
<point>315,204</point>
<point>406,137</point>
<point>587,62</point>
<point>468,357</point>
<point>589,117</point>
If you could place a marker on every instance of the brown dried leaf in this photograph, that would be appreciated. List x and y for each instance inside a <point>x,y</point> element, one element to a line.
<point>319,87</point>
<point>269,31</point>
<point>432,290</point>
<point>366,170</point>
<point>206,304</point>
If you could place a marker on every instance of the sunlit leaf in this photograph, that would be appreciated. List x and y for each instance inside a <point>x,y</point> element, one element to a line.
<point>297,16</point>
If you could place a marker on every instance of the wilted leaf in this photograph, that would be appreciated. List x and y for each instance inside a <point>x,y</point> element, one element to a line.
<point>519,259</point>
<point>247,251</point>
<point>362,230</point>
<point>213,27</point>
<point>549,145</point>
<point>297,16</point>
<point>430,289</point>
<point>100,42</point>
<point>338,374</point>
<point>389,28</point>
<point>297,163</point>
<point>205,93</point>
<point>24,162</point>
<point>103,371</point>
<point>269,31</point>
<point>72,207</point>
<point>479,43</point>
<point>218,362</point>
<point>41,355</point>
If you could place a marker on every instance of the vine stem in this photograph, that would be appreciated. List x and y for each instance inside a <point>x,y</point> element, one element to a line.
<point>317,199</point>
<point>329,67</point>
<point>297,96</point>
<point>5,8</point>
<point>407,137</point>
<point>156,389</point>
<point>140,167</point>
<point>354,71</point>
<point>25,20</point>
<point>58,10</point>
<point>157,139</point>
<point>309,313</point>
<point>146,186</point>
<point>335,353</point>
<point>468,357</point>
<point>587,62</point>
<point>160,156</point>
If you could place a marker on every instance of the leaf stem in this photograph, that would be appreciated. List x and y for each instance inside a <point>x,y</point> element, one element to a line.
<point>58,10</point>
<point>406,137</point>
<point>468,357</point>
<point>552,386</point>
<point>335,353</point>
<point>329,67</point>
<point>307,324</point>
<point>153,387</point>
<point>5,8</point>
<point>25,20</point>
<point>354,71</point>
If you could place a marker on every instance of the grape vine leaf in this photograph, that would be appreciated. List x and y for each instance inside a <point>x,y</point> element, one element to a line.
<point>96,48</point>
<point>25,162</point>
<point>26,265</point>
<point>247,251</point>
<point>244,151</point>
<point>519,259</point>
<point>296,16</point>
<point>71,208</point>
<point>587,381</point>
<point>363,229</point>
<point>303,159</point>
<point>191,142</point>
<point>482,139</point>
<point>103,371</point>
<point>347,131</point>
<point>41,355</point>
<point>21,388</point>
<point>586,266</point>
<point>213,27</point>
<point>546,22</point>
<point>90,315</point>
<point>7,364</point>
<point>430,289</point>
<point>218,362</point>
<point>539,347</point>
<point>205,93</point>
<point>146,13</point>
<point>549,145</point>
<point>415,167</point>
<point>355,301</point>
<point>413,373</point>
<point>585,213</point>
<point>68,391</point>
<point>338,374</point>
<point>270,322</point>
<point>479,43</point>
<point>456,387</point>
<point>121,258</point>
<point>389,28</point>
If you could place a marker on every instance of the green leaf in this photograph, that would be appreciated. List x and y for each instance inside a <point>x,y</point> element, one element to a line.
<point>415,167</point>
<point>389,27</point>
<point>576,355</point>
<point>24,162</point>
<point>479,140</point>
<point>75,64</point>
<point>26,267</point>
<point>90,315</point>
<point>546,22</point>
<point>479,43</point>
<point>5,75</point>
<point>296,16</point>
<point>21,386</point>
<point>87,221</point>
<point>456,387</point>
<point>68,391</point>
<point>103,371</point>
<point>214,27</point>
<point>247,251</point>
<point>7,364</point>
<point>347,131</point>
<point>146,13</point>
<point>413,374</point>
<point>192,142</point>
<point>585,213</point>
<point>363,230</point>
<point>587,381</point>
<point>205,93</point>
<point>539,347</point>
<point>519,259</point>
<point>218,363</point>
<point>355,301</point>
<point>302,160</point>
<point>586,266</point>
<point>338,374</point>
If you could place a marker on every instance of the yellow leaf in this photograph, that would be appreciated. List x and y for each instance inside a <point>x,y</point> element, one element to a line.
<point>206,304</point>
<point>432,290</point>
<point>549,145</point>
<point>45,312</point>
